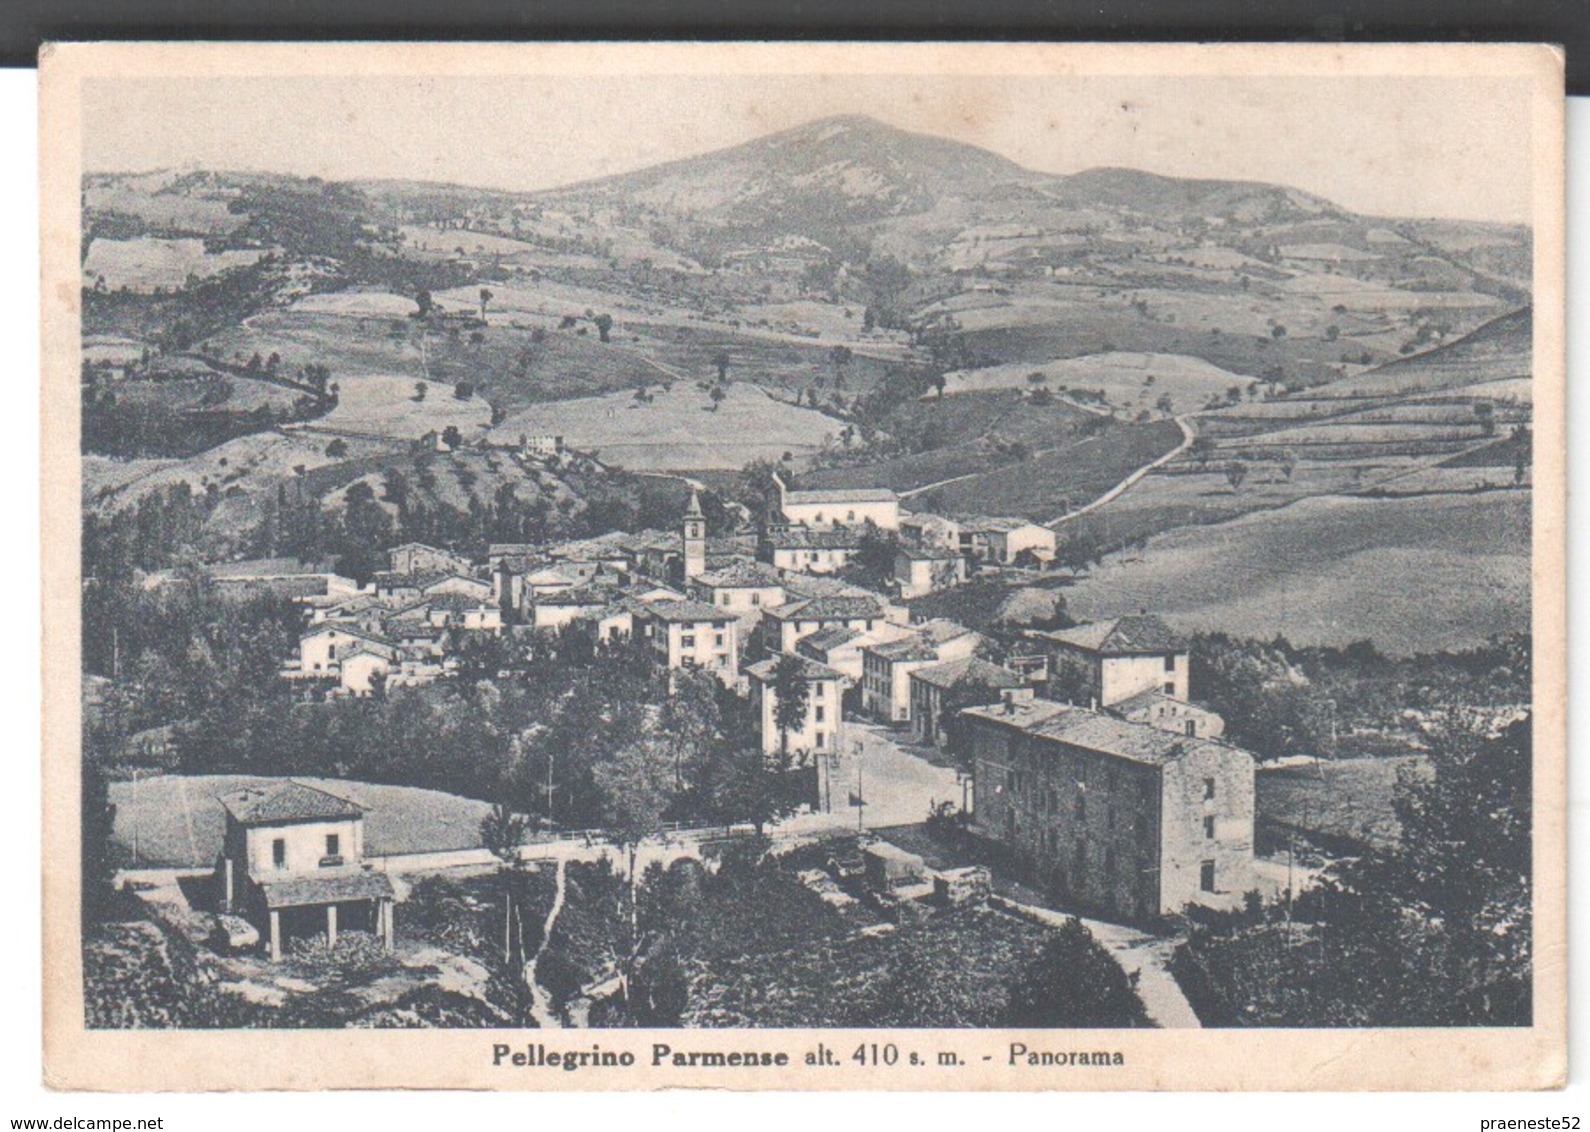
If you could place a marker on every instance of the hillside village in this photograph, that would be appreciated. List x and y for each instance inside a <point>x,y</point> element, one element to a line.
<point>636,604</point>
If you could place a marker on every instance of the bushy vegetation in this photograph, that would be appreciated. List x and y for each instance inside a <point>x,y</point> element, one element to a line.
<point>1435,932</point>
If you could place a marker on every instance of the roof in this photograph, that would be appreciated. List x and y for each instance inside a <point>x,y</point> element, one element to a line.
<point>842,495</point>
<point>289,801</point>
<point>970,670</point>
<point>1150,698</point>
<point>826,640</point>
<point>266,568</point>
<point>742,574</point>
<point>998,523</point>
<point>1096,731</point>
<point>687,611</point>
<point>1124,636</point>
<point>693,511</point>
<point>815,585</point>
<point>326,887</point>
<point>805,538</point>
<point>592,594</point>
<point>837,608</point>
<point>456,603</point>
<point>810,669</point>
<point>928,553</point>
<point>345,629</point>
<point>471,579</point>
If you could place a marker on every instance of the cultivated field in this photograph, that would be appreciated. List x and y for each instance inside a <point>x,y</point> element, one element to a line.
<point>389,406</point>
<point>1415,574</point>
<point>678,428</point>
<point>1130,382</point>
<point>1339,798</point>
<point>147,262</point>
<point>179,820</point>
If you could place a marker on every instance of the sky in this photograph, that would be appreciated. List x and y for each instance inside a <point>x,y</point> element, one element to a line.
<point>1389,146</point>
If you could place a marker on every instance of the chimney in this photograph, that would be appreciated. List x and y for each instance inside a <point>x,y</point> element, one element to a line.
<point>1013,696</point>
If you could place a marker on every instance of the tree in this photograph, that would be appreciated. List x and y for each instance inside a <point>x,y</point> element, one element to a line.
<point>1236,471</point>
<point>1165,405</point>
<point>1074,983</point>
<point>717,396</point>
<point>635,783</point>
<point>1202,449</point>
<point>337,449</point>
<point>720,362</point>
<point>424,304</point>
<point>1288,462</point>
<point>791,695</point>
<point>503,832</point>
<point>452,437</point>
<point>485,301</point>
<point>463,390</point>
<point>419,390</point>
<point>604,326</point>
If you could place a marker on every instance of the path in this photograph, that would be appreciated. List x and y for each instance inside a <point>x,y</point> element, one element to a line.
<point>541,1008</point>
<point>1138,953</point>
<point>1188,435</point>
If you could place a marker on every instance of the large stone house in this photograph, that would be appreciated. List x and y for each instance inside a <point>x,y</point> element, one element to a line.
<point>922,570</point>
<point>1003,540</point>
<point>744,588</point>
<point>292,861</point>
<point>804,550</point>
<point>1128,819</point>
<point>418,558</point>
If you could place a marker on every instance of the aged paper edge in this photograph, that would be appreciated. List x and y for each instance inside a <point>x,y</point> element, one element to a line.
<point>1402,1059</point>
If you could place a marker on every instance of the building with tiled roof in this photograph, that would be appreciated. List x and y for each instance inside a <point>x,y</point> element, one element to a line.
<point>1153,707</point>
<point>932,687</point>
<point>692,634</point>
<point>843,506</point>
<point>820,731</point>
<point>1003,539</point>
<point>886,666</point>
<point>1105,662</point>
<point>1124,818</point>
<point>292,860</point>
<point>743,587</point>
<point>810,551</point>
<point>788,623</point>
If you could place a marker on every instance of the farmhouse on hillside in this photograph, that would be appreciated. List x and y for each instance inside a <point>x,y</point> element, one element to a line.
<point>292,862</point>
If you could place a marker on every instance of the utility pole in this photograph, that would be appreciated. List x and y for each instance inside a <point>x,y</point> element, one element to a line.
<point>861,798</point>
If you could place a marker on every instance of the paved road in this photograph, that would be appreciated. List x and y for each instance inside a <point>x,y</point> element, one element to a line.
<point>897,785</point>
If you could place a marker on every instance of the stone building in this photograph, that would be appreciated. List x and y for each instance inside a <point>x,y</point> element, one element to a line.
<point>1126,819</point>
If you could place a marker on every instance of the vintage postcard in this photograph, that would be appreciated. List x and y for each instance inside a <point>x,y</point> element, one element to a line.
<point>804,566</point>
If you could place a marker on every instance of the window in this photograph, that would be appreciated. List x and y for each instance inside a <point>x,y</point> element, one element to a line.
<point>723,598</point>
<point>1192,728</point>
<point>717,640</point>
<point>333,845</point>
<point>817,713</point>
<point>1170,663</point>
<point>331,652</point>
<point>821,741</point>
<point>279,853</point>
<point>1209,789</point>
<point>851,517</point>
<point>756,599</point>
<point>1170,689</point>
<point>1209,827</point>
<point>687,641</point>
<point>1206,876</point>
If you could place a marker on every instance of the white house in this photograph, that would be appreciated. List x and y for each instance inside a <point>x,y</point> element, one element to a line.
<point>923,570</point>
<point>1106,662</point>
<point>840,507</point>
<point>821,729</point>
<point>1003,540</point>
<point>886,668</point>
<point>692,634</point>
<point>788,623</point>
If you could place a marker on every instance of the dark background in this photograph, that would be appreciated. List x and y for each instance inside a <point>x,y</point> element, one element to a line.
<point>24,24</point>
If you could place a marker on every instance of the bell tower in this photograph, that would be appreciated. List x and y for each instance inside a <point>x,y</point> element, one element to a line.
<point>695,538</point>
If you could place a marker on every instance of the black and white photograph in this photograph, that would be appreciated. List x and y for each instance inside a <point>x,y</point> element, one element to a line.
<point>985,552</point>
